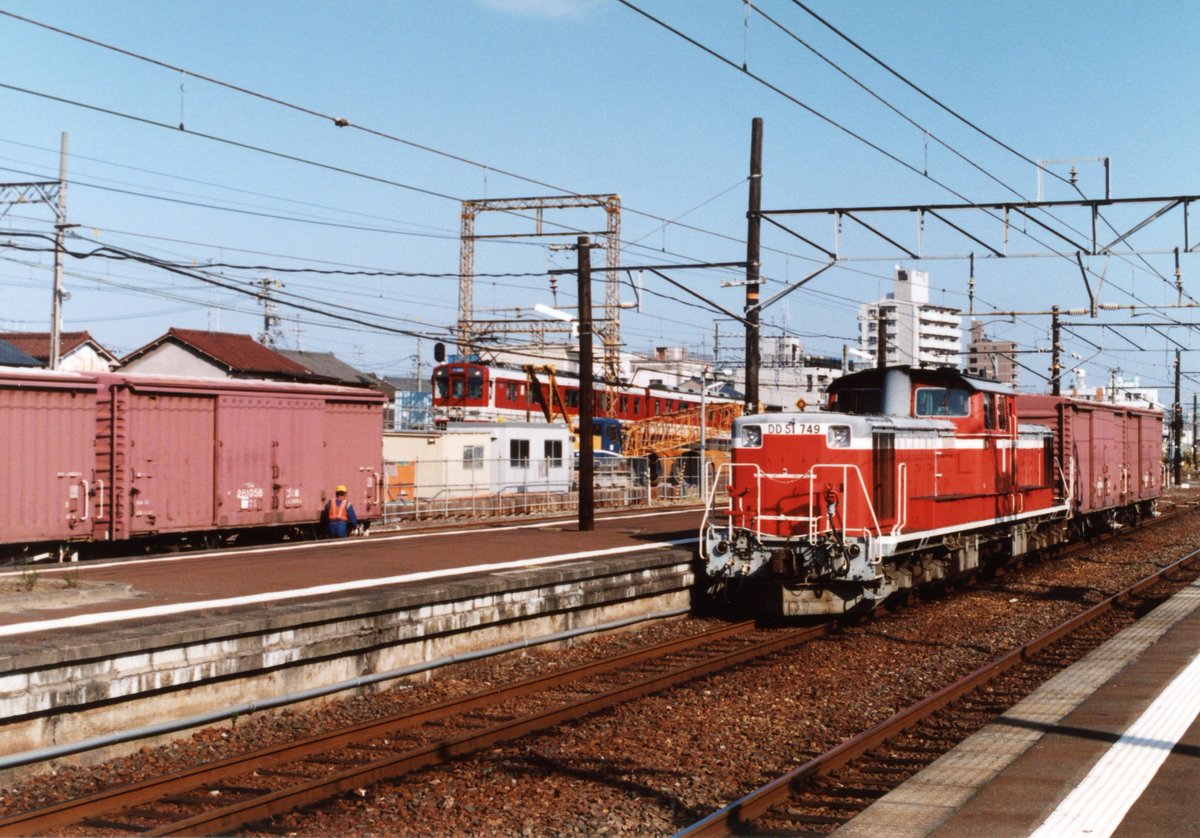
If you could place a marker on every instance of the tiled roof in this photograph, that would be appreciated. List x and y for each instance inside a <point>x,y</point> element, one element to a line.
<point>326,364</point>
<point>237,353</point>
<point>37,344</point>
<point>11,356</point>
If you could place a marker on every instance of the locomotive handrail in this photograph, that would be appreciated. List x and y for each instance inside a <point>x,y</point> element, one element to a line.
<point>811,477</point>
<point>866,497</point>
<point>902,492</point>
<point>712,495</point>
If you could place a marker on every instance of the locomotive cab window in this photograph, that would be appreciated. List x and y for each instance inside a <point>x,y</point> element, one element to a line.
<point>943,401</point>
<point>864,401</point>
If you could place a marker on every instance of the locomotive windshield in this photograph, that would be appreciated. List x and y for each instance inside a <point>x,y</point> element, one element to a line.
<point>866,401</point>
<point>457,382</point>
<point>942,401</point>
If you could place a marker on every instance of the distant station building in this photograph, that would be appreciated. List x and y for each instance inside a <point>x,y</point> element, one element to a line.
<point>993,359</point>
<point>77,352</point>
<point>917,332</point>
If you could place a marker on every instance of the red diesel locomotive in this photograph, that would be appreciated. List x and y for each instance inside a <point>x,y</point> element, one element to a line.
<point>910,476</point>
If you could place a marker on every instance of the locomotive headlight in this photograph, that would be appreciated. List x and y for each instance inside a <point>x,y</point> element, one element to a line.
<point>838,436</point>
<point>751,436</point>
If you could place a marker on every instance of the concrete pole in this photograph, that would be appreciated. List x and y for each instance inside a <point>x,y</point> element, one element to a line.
<point>587,397</point>
<point>60,227</point>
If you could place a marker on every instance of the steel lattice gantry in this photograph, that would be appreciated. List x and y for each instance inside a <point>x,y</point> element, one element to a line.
<point>469,329</point>
<point>42,192</point>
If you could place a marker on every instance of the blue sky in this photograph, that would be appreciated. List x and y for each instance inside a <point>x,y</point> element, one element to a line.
<point>591,97</point>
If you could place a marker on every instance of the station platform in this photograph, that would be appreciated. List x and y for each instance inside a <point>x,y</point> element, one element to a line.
<point>1110,746</point>
<point>94,649</point>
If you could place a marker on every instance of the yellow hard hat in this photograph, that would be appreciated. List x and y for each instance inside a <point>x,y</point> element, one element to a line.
<point>341,490</point>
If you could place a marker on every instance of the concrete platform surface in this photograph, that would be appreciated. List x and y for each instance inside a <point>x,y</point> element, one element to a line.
<point>1110,746</point>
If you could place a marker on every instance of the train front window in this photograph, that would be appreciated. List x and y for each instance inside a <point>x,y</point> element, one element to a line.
<point>943,401</point>
<point>475,384</point>
<point>441,386</point>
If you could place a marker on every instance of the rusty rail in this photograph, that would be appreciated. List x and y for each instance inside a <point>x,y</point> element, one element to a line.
<point>738,814</point>
<point>104,805</point>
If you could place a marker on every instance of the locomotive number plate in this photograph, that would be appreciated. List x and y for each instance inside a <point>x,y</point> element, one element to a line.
<point>794,428</point>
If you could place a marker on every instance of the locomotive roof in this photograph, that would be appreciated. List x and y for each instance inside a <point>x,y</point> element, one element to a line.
<point>937,376</point>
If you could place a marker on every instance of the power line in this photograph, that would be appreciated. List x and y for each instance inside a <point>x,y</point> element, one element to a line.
<point>342,122</point>
<point>953,113</point>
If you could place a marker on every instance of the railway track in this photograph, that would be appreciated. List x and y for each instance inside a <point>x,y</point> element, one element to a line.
<point>830,789</point>
<point>235,792</point>
<point>221,797</point>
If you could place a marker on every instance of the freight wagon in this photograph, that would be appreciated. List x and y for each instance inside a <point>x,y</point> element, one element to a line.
<point>118,458</point>
<point>1111,456</point>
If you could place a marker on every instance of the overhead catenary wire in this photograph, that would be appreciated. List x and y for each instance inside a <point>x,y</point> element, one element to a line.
<point>838,126</point>
<point>951,111</point>
<point>315,113</point>
<point>343,122</point>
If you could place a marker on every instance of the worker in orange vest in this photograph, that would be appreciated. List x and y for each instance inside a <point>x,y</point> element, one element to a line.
<point>338,514</point>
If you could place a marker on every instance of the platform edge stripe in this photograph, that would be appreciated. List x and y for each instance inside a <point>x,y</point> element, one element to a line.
<point>104,617</point>
<point>897,815</point>
<point>1100,802</point>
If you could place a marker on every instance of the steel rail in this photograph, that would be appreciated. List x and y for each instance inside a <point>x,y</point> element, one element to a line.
<point>235,815</point>
<point>106,803</point>
<point>742,812</point>
<point>66,812</point>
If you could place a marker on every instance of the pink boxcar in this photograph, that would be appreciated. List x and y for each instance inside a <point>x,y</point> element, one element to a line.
<point>47,455</point>
<point>1112,453</point>
<point>113,457</point>
<point>192,454</point>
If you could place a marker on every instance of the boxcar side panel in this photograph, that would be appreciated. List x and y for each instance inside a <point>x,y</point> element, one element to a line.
<point>354,453</point>
<point>47,456</point>
<point>169,463</point>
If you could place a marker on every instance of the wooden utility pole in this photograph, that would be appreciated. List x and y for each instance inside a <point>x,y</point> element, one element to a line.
<point>1055,356</point>
<point>1177,428</point>
<point>753,266</point>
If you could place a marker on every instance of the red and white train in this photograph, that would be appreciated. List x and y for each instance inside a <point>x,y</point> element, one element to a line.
<point>478,392</point>
<point>910,476</point>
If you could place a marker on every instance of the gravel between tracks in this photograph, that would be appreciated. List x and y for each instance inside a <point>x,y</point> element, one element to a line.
<point>655,765</point>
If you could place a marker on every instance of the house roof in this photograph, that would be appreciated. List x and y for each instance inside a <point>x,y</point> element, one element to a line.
<point>37,344</point>
<point>11,356</point>
<point>326,365</point>
<point>239,354</point>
